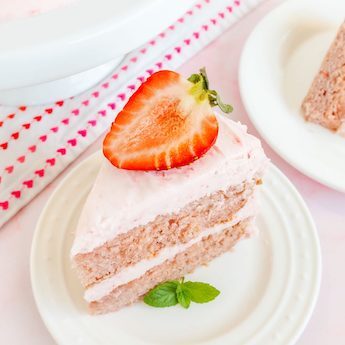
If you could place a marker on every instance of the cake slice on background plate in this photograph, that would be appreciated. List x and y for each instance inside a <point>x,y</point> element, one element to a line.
<point>325,101</point>
<point>177,189</point>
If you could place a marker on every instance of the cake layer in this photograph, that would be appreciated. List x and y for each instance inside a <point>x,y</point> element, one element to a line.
<point>122,200</point>
<point>133,272</point>
<point>145,242</point>
<point>325,101</point>
<point>198,254</point>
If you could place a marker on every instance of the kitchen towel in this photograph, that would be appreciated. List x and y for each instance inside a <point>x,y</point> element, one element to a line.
<point>38,142</point>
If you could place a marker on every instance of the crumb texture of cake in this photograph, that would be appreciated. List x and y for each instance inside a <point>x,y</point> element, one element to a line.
<point>325,101</point>
<point>146,241</point>
<point>140,228</point>
<point>198,254</point>
<point>101,289</point>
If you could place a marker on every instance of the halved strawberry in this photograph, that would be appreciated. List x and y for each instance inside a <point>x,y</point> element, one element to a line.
<point>168,122</point>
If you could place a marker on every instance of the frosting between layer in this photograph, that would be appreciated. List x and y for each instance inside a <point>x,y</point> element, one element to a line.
<point>121,200</point>
<point>130,273</point>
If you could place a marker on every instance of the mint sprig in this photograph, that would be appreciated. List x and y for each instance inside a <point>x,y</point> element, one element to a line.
<point>163,295</point>
<point>173,292</point>
<point>200,292</point>
<point>201,91</point>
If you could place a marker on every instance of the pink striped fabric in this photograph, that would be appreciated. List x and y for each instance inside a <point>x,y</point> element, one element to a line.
<point>37,143</point>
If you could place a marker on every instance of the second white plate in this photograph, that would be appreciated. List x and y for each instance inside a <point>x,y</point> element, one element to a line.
<point>278,64</point>
<point>269,284</point>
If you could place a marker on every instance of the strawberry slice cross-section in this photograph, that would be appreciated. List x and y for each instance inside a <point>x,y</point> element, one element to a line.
<point>167,123</point>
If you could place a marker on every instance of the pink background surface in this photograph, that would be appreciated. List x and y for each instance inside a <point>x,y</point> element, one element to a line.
<point>20,322</point>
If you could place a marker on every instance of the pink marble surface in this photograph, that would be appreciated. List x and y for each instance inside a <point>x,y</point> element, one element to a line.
<point>20,322</point>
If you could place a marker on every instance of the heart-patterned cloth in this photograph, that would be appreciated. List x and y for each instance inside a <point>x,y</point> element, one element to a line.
<point>38,142</point>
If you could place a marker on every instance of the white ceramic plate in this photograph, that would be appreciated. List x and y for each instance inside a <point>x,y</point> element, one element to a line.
<point>269,284</point>
<point>278,64</point>
<point>76,38</point>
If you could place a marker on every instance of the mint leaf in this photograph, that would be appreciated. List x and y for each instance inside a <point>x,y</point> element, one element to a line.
<point>172,292</point>
<point>200,292</point>
<point>163,295</point>
<point>183,296</point>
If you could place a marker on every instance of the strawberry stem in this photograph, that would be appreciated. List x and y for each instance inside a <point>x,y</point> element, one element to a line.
<point>201,91</point>
<point>204,76</point>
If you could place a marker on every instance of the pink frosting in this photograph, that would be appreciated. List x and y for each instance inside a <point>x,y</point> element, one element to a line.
<point>121,200</point>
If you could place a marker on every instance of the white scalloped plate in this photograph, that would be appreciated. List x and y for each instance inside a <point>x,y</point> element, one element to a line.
<point>279,61</point>
<point>269,284</point>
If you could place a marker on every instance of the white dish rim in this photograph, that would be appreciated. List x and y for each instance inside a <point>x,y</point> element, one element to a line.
<point>316,288</point>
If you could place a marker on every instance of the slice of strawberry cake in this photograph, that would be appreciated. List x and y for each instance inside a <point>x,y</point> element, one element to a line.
<point>177,189</point>
<point>325,101</point>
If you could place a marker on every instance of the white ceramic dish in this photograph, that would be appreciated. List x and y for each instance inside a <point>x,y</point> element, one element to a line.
<point>269,284</point>
<point>278,64</point>
<point>74,39</point>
